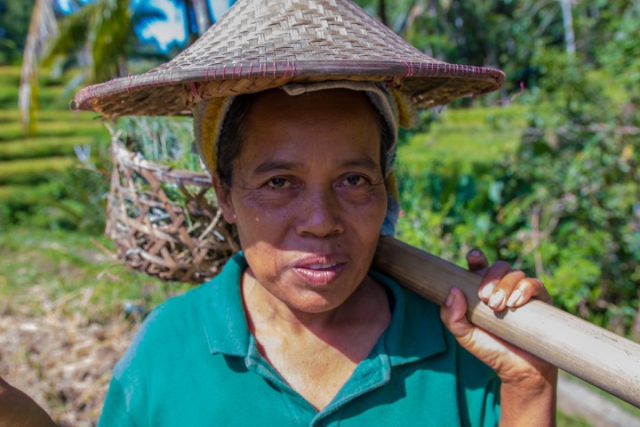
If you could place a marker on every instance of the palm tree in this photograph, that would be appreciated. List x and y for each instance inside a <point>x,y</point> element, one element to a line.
<point>197,17</point>
<point>102,34</point>
<point>42,26</point>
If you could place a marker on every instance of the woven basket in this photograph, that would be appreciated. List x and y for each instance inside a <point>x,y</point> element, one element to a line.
<point>165,222</point>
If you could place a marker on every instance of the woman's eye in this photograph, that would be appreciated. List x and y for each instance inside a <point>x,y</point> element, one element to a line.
<point>354,180</point>
<point>279,183</point>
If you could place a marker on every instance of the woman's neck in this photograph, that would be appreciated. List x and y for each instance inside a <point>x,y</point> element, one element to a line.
<point>316,353</point>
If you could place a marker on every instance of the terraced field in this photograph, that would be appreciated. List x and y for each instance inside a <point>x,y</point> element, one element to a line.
<point>30,165</point>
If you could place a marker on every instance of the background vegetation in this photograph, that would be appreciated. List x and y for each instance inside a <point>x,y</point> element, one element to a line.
<point>543,173</point>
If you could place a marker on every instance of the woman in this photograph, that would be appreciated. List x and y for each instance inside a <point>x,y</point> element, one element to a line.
<point>297,329</point>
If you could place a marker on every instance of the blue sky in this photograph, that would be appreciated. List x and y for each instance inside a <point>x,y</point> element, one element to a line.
<point>172,29</point>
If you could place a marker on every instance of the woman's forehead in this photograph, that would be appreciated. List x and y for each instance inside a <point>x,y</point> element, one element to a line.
<point>333,105</point>
<point>328,126</point>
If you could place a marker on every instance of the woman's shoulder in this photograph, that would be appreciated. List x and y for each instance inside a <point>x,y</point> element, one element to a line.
<point>180,322</point>
<point>200,300</point>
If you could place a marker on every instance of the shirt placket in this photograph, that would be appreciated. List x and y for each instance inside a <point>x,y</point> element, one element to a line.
<point>370,374</point>
<point>301,411</point>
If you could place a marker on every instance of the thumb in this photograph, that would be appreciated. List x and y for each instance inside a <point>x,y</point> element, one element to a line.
<point>453,314</point>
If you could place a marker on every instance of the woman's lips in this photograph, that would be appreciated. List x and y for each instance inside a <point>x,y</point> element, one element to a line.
<point>319,272</point>
<point>319,276</point>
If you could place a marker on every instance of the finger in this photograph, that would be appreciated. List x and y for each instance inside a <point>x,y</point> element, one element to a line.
<point>453,314</point>
<point>477,261</point>
<point>504,289</point>
<point>491,278</point>
<point>526,289</point>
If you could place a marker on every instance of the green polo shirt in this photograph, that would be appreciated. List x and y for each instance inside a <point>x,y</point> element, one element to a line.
<point>194,363</point>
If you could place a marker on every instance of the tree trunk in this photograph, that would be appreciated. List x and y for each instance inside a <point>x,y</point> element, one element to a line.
<point>382,12</point>
<point>43,25</point>
<point>415,9</point>
<point>569,35</point>
<point>203,15</point>
<point>635,328</point>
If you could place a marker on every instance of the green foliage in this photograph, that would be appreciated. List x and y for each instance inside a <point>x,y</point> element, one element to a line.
<point>41,147</point>
<point>14,26</point>
<point>63,265</point>
<point>32,170</point>
<point>162,140</point>
<point>579,172</point>
<point>564,207</point>
<point>104,31</point>
<point>14,131</point>
<point>565,420</point>
<point>13,115</point>
<point>51,98</point>
<point>466,136</point>
<point>74,198</point>
<point>41,185</point>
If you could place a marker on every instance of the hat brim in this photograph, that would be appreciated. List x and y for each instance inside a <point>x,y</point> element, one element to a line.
<point>173,93</point>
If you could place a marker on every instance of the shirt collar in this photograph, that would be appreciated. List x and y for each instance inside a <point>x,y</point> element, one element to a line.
<point>415,331</point>
<point>225,323</point>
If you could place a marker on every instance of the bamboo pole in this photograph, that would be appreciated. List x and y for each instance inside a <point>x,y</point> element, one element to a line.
<point>594,354</point>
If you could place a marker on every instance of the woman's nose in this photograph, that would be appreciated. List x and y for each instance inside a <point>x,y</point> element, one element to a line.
<point>320,214</point>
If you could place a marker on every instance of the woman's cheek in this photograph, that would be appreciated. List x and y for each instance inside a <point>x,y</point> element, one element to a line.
<point>364,196</point>
<point>265,198</point>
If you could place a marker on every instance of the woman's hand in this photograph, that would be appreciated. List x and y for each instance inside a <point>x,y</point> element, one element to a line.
<point>528,382</point>
<point>19,410</point>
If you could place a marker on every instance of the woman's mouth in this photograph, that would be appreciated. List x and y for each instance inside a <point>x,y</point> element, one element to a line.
<point>318,273</point>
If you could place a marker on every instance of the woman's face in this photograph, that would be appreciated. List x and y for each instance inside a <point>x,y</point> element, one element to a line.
<point>308,196</point>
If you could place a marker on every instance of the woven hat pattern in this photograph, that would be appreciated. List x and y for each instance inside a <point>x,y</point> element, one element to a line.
<point>296,30</point>
<point>262,44</point>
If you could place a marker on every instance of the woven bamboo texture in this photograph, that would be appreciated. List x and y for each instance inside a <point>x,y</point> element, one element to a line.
<point>262,44</point>
<point>165,222</point>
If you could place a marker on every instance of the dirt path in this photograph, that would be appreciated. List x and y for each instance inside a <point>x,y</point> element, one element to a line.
<point>65,364</point>
<point>575,398</point>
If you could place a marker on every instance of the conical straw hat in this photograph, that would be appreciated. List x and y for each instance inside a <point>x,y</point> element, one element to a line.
<point>262,44</point>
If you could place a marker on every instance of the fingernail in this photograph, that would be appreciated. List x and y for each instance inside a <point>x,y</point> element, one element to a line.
<point>450,298</point>
<point>486,292</point>
<point>475,253</point>
<point>496,299</point>
<point>513,299</point>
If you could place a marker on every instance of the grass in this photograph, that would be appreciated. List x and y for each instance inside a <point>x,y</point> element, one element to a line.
<point>13,131</point>
<point>63,265</point>
<point>476,135</point>
<point>564,420</point>
<point>51,96</point>
<point>28,193</point>
<point>9,74</point>
<point>13,116</point>
<point>41,147</point>
<point>32,170</point>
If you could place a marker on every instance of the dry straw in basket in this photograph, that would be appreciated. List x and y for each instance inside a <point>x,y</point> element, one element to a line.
<point>187,241</point>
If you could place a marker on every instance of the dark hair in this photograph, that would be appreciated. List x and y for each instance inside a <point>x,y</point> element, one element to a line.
<point>233,133</point>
